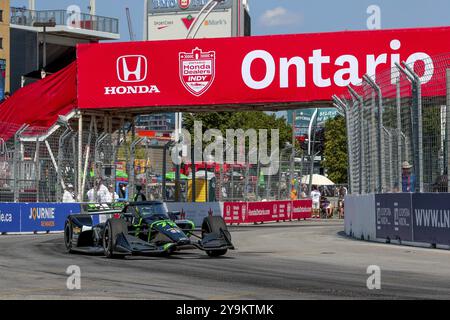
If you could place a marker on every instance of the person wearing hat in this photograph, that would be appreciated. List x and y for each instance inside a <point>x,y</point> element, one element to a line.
<point>68,196</point>
<point>408,178</point>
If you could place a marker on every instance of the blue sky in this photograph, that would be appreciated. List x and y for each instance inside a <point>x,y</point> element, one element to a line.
<point>289,16</point>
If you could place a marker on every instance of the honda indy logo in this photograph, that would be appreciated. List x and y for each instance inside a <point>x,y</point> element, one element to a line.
<point>132,69</point>
<point>197,70</point>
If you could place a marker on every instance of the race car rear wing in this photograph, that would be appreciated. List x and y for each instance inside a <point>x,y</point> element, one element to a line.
<point>102,208</point>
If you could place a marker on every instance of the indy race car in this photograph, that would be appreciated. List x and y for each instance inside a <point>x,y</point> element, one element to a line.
<point>143,228</point>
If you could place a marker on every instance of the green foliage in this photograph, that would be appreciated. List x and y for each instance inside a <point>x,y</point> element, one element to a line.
<point>240,120</point>
<point>335,151</point>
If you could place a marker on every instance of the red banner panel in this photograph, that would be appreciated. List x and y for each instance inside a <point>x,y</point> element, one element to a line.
<point>302,209</point>
<point>248,70</point>
<point>261,212</point>
<point>282,209</point>
<point>234,212</point>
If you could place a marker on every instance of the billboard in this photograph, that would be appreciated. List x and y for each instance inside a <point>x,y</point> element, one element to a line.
<point>218,24</point>
<point>431,217</point>
<point>303,118</point>
<point>171,6</point>
<point>394,216</point>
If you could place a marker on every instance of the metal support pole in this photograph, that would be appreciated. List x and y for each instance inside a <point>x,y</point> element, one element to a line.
<point>399,135</point>
<point>292,157</point>
<point>80,157</point>
<point>345,108</point>
<point>164,171</point>
<point>417,145</point>
<point>44,49</point>
<point>359,103</point>
<point>37,170</point>
<point>448,128</point>
<point>193,174</point>
<point>380,149</point>
<point>417,98</point>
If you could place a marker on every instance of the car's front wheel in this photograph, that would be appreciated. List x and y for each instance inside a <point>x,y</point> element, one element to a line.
<point>113,228</point>
<point>68,235</point>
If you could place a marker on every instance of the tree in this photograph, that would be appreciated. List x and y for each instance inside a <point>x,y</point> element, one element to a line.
<point>335,150</point>
<point>240,120</point>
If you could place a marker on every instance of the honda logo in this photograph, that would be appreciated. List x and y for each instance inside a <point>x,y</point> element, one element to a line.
<point>132,68</point>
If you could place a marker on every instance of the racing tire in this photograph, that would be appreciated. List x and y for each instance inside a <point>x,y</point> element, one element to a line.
<point>68,235</point>
<point>215,224</point>
<point>216,253</point>
<point>113,228</point>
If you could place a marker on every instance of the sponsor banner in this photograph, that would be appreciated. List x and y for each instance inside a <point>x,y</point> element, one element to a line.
<point>46,216</point>
<point>196,211</point>
<point>302,209</point>
<point>235,212</point>
<point>9,217</point>
<point>431,216</point>
<point>176,26</point>
<point>282,209</point>
<point>261,69</point>
<point>264,211</point>
<point>171,6</point>
<point>394,216</point>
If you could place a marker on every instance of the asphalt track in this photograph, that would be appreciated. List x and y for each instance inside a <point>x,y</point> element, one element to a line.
<point>297,260</point>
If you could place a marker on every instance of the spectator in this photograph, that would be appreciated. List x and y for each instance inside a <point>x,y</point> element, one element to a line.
<point>69,195</point>
<point>91,195</point>
<point>293,194</point>
<point>139,196</point>
<point>111,195</point>
<point>408,178</point>
<point>102,192</point>
<point>315,195</point>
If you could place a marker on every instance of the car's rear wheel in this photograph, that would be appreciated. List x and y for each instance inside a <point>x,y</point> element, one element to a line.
<point>68,235</point>
<point>113,228</point>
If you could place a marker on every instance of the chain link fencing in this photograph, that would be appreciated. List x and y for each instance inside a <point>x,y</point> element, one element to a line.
<point>398,128</point>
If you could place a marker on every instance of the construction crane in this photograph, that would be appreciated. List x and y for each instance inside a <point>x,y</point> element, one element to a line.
<point>130,25</point>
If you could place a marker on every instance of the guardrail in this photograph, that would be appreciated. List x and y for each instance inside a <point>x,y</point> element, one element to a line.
<point>417,219</point>
<point>50,217</point>
<point>25,17</point>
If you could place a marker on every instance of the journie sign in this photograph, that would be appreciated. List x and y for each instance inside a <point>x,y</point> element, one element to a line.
<point>248,70</point>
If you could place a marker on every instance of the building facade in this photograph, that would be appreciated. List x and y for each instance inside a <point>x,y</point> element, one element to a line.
<point>4,47</point>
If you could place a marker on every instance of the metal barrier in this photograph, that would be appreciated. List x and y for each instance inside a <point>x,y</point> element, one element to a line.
<point>398,120</point>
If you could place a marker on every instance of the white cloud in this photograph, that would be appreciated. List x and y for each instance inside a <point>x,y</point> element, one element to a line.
<point>279,16</point>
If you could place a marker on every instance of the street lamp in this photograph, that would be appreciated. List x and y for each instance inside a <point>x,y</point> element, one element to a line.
<point>44,25</point>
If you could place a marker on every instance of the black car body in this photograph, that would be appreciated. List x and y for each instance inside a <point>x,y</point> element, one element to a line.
<point>144,228</point>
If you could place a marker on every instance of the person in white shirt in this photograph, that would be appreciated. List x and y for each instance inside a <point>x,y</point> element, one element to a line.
<point>111,196</point>
<point>315,195</point>
<point>103,193</point>
<point>68,196</point>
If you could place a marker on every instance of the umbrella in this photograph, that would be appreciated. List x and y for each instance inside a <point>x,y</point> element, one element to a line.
<point>317,179</point>
<point>171,176</point>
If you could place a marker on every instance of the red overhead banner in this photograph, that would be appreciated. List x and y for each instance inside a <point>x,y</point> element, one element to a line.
<point>246,70</point>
